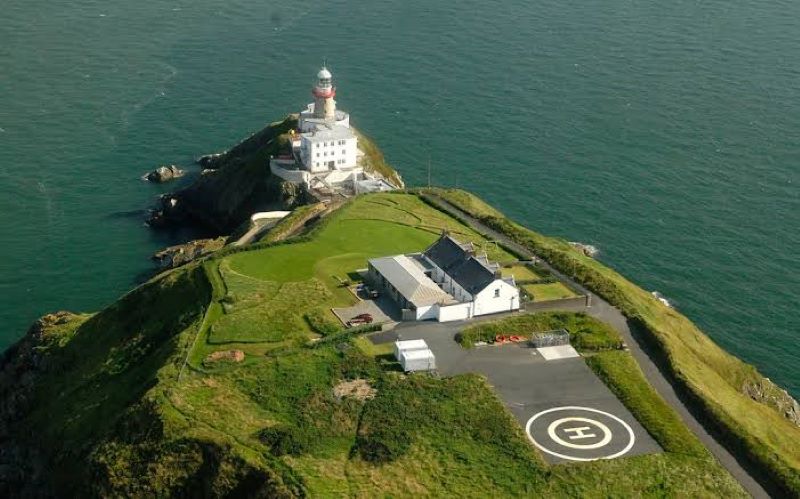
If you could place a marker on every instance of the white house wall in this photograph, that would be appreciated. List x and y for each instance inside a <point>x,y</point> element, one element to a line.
<point>332,154</point>
<point>487,303</point>
<point>429,312</point>
<point>457,312</point>
<point>296,176</point>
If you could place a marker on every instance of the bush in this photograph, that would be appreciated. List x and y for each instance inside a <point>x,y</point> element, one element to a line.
<point>356,364</point>
<point>284,440</point>
<point>320,323</point>
<point>383,445</point>
<point>347,334</point>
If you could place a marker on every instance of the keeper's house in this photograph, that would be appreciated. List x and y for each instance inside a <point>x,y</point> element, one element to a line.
<point>446,282</point>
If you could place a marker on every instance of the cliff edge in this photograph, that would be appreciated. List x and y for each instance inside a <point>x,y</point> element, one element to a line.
<point>236,183</point>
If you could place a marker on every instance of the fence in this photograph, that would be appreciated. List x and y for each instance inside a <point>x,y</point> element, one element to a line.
<point>550,338</point>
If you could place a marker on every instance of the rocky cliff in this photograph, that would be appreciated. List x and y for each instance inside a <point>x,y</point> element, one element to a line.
<point>233,185</point>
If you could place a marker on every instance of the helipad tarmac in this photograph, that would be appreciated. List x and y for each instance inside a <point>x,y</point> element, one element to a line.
<point>566,411</point>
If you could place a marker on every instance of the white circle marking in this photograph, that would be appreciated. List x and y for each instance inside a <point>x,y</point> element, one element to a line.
<point>589,409</point>
<point>551,431</point>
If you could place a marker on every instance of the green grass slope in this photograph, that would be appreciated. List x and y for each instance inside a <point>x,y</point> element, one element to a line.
<point>716,380</point>
<point>226,377</point>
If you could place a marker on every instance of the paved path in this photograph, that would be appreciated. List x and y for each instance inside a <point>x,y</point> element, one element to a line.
<point>604,311</point>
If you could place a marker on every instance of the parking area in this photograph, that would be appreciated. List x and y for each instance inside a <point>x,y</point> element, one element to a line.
<point>382,309</point>
<point>566,411</point>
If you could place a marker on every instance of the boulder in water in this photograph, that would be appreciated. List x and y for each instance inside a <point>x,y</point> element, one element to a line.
<point>164,174</point>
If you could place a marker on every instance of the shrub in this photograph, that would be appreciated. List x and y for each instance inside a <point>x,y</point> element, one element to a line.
<point>347,334</point>
<point>383,445</point>
<point>320,323</point>
<point>284,440</point>
<point>356,364</point>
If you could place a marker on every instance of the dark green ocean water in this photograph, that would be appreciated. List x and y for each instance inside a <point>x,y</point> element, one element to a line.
<point>665,133</point>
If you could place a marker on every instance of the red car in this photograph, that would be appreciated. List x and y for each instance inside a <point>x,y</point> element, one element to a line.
<point>360,319</point>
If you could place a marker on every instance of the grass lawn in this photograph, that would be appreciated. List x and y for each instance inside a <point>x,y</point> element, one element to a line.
<point>549,291</point>
<point>269,290</point>
<point>520,273</point>
<point>270,293</point>
<point>371,349</point>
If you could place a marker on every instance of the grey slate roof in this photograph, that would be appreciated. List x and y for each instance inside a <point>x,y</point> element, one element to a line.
<point>446,252</point>
<point>407,276</point>
<point>473,273</point>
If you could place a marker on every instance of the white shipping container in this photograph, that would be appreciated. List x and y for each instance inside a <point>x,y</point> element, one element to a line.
<point>417,360</point>
<point>401,346</point>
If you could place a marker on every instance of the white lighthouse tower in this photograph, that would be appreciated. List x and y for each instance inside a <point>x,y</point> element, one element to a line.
<point>323,112</point>
<point>324,92</point>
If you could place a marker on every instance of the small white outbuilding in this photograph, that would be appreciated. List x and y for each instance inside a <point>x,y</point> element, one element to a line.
<point>414,355</point>
<point>417,360</point>
<point>403,345</point>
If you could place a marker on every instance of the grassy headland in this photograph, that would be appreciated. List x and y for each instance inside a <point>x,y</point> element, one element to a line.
<point>145,399</point>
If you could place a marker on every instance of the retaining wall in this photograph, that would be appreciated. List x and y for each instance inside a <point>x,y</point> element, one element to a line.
<point>568,303</point>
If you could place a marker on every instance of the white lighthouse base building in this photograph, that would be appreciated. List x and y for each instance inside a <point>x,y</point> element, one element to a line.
<point>325,155</point>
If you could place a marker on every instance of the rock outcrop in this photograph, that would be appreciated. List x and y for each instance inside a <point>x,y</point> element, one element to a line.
<point>234,184</point>
<point>180,254</point>
<point>164,174</point>
<point>768,393</point>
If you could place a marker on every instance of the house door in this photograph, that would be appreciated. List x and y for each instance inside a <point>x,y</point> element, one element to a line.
<point>331,164</point>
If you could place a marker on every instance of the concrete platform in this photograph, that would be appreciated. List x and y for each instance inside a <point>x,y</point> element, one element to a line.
<point>363,307</point>
<point>567,412</point>
<point>557,352</point>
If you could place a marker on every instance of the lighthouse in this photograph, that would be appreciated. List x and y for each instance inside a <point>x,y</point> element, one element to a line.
<point>325,157</point>
<point>324,92</point>
<point>322,112</point>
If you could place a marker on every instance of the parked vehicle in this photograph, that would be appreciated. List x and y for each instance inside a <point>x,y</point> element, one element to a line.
<point>367,291</point>
<point>359,320</point>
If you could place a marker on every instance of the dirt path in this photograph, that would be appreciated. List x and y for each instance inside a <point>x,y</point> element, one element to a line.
<point>643,354</point>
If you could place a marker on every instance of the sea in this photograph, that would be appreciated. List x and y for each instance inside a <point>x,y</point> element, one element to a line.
<point>664,133</point>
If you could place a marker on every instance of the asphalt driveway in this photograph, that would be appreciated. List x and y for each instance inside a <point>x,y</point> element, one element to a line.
<point>567,412</point>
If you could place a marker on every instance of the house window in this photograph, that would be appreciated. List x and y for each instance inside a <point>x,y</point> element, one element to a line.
<point>497,293</point>
<point>344,152</point>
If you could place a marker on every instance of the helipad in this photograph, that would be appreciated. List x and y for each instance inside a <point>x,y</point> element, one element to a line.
<point>578,433</point>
